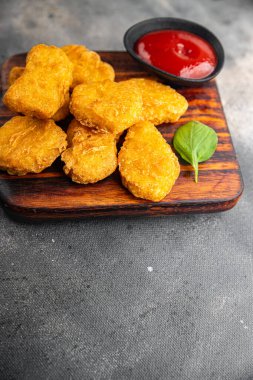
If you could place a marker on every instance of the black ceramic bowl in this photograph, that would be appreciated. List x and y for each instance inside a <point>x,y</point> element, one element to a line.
<point>138,30</point>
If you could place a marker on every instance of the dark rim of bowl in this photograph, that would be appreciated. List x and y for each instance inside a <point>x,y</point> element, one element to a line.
<point>215,43</point>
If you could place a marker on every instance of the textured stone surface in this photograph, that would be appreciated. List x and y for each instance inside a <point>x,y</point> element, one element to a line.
<point>77,298</point>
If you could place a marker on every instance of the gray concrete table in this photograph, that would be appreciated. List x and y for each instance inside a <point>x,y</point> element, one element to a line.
<point>77,298</point>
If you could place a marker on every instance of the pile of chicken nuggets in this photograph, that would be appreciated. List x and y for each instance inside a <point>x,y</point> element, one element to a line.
<point>72,79</point>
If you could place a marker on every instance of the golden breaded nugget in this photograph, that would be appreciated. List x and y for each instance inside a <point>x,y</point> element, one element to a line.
<point>29,145</point>
<point>14,74</point>
<point>41,90</point>
<point>106,105</point>
<point>62,112</point>
<point>91,156</point>
<point>88,66</point>
<point>147,165</point>
<point>74,52</point>
<point>161,103</point>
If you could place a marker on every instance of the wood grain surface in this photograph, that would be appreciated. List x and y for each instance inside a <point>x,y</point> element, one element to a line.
<point>51,195</point>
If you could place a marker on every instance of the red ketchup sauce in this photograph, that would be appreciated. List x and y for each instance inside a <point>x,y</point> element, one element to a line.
<point>177,52</point>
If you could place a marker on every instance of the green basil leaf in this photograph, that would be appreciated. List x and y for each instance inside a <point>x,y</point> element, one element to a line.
<point>195,142</point>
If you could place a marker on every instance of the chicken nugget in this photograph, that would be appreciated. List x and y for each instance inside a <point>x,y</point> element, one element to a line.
<point>41,90</point>
<point>14,74</point>
<point>74,52</point>
<point>88,66</point>
<point>161,103</point>
<point>62,112</point>
<point>29,145</point>
<point>147,165</point>
<point>91,156</point>
<point>107,105</point>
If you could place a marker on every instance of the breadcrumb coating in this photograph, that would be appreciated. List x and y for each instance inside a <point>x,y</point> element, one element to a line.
<point>161,103</point>
<point>29,145</point>
<point>41,89</point>
<point>107,105</point>
<point>91,155</point>
<point>147,165</point>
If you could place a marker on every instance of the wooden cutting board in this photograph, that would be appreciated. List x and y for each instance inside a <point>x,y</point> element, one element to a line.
<point>51,194</point>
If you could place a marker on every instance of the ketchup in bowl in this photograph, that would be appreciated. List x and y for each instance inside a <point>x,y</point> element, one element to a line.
<point>177,52</point>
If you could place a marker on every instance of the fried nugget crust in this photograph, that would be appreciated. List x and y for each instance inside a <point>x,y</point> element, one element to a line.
<point>41,90</point>
<point>14,74</point>
<point>74,52</point>
<point>62,112</point>
<point>88,66</point>
<point>91,156</point>
<point>147,165</point>
<point>29,145</point>
<point>107,105</point>
<point>161,103</point>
